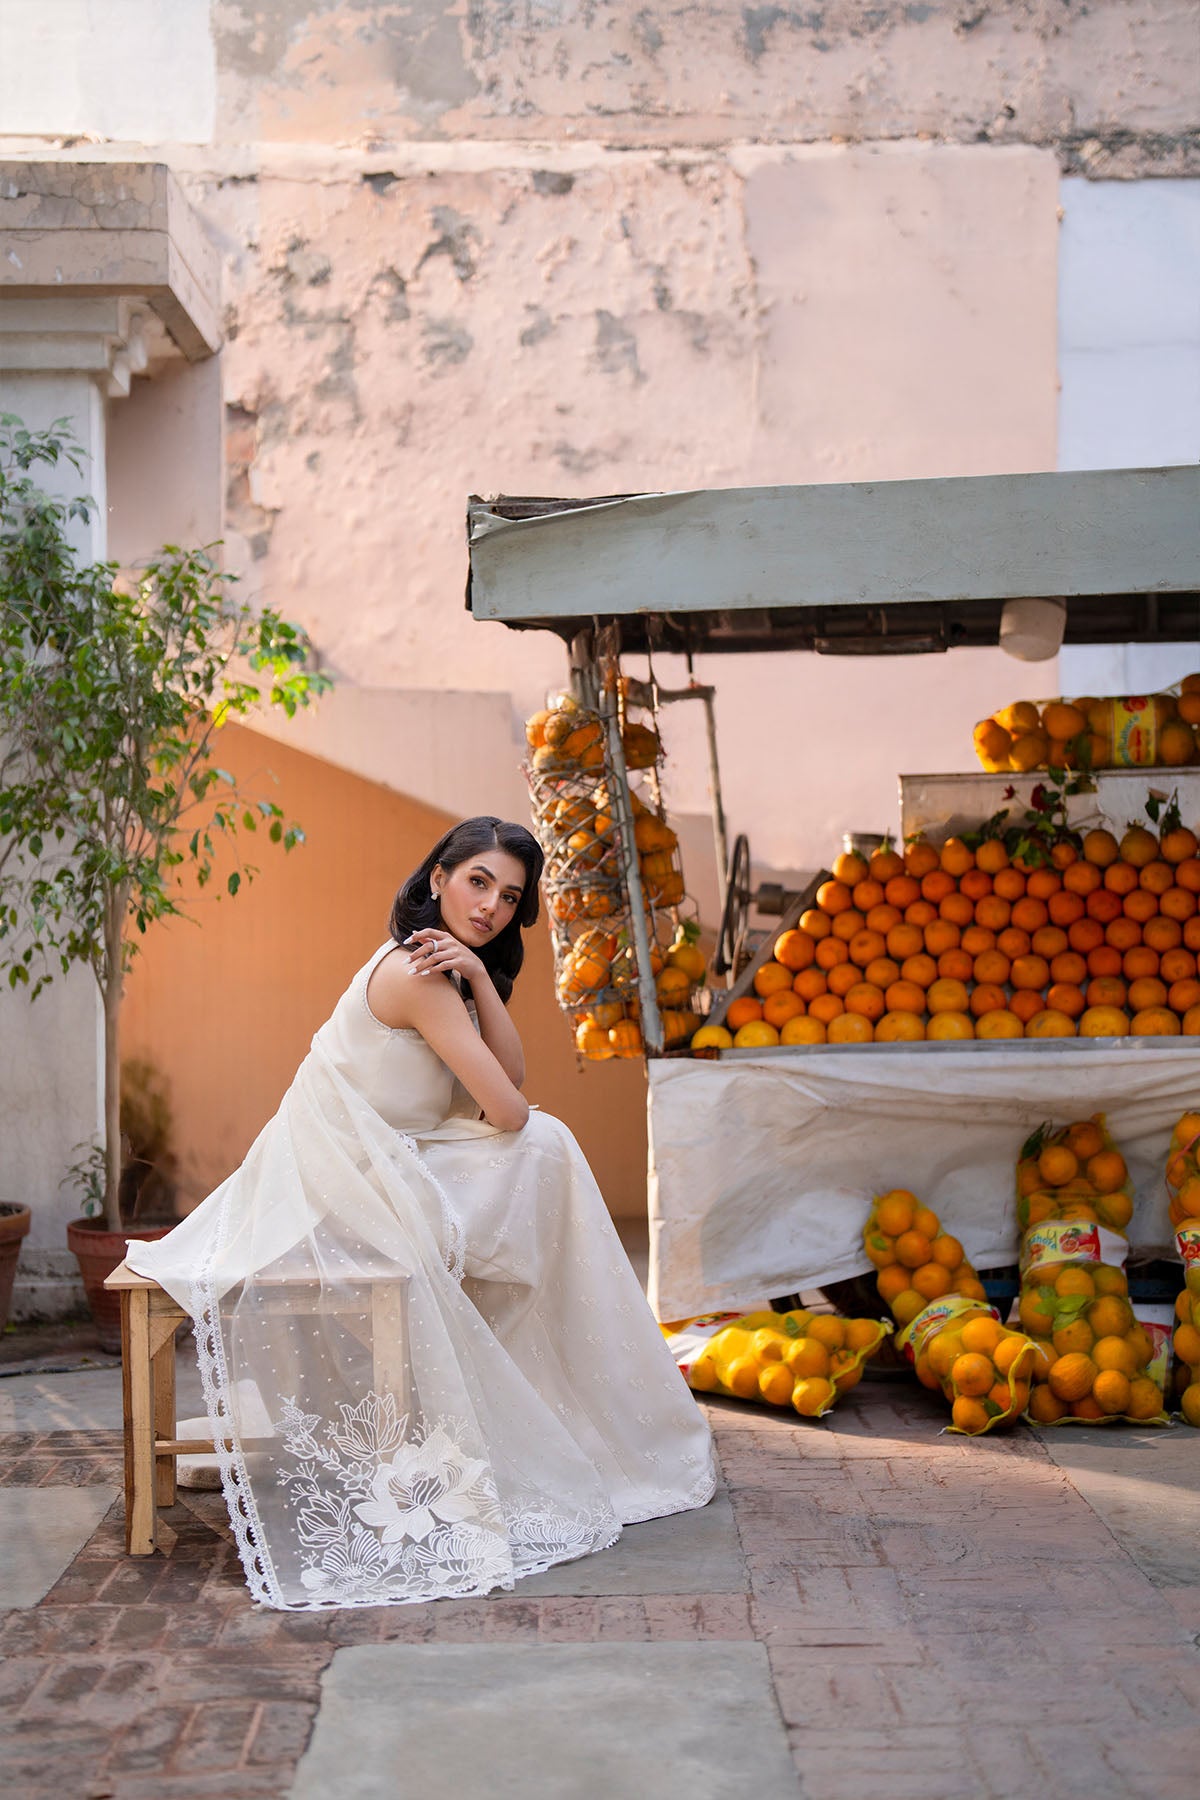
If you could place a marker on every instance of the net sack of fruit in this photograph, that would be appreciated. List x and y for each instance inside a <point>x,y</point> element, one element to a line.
<point>1119,731</point>
<point>1187,1319</point>
<point>801,1359</point>
<point>959,1347</point>
<point>914,1259</point>
<point>1074,1201</point>
<point>1183,1169</point>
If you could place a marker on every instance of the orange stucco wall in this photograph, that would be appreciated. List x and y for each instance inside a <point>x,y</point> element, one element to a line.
<point>224,1008</point>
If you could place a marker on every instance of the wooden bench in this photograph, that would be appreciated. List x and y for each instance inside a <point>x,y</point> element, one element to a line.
<point>376,1314</point>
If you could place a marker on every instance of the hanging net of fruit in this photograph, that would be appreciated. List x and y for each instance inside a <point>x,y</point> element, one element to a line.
<point>1074,1202</point>
<point>575,800</point>
<point>950,1335</point>
<point>800,1359</point>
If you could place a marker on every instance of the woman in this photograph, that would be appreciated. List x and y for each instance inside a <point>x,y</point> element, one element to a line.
<point>427,1363</point>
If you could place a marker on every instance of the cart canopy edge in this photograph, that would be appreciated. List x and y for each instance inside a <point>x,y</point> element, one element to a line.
<point>861,566</point>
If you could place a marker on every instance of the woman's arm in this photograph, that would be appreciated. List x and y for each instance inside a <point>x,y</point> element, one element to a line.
<point>437,950</point>
<point>400,996</point>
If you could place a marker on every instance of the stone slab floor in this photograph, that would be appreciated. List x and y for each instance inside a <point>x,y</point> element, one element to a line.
<point>871,1608</point>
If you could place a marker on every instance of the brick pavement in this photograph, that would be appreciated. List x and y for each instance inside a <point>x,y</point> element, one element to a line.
<point>943,1617</point>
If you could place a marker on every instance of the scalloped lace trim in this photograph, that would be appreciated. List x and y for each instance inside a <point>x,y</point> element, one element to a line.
<point>235,1484</point>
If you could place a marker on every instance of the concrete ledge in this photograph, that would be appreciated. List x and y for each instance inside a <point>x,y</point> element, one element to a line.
<point>99,229</point>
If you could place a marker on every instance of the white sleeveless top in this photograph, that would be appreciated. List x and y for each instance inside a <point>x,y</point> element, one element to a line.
<point>393,1068</point>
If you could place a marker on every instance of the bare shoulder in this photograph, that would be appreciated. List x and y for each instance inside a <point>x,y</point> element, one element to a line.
<point>399,997</point>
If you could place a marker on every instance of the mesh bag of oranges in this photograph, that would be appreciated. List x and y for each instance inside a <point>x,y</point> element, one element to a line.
<point>1183,1169</point>
<point>959,1347</point>
<point>915,1260</point>
<point>1096,1361</point>
<point>935,1295</point>
<point>1122,731</point>
<point>1187,1319</point>
<point>801,1359</point>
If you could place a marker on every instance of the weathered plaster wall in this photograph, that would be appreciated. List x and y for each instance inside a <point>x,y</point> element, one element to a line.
<point>1112,84</point>
<point>770,316</point>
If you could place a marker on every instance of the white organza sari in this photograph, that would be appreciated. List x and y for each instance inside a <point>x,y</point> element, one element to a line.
<point>428,1367</point>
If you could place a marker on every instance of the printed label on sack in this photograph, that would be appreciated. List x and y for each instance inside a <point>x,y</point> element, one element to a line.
<point>1057,1241</point>
<point>935,1317</point>
<point>1187,1242</point>
<point>1133,727</point>
<point>1160,1339</point>
<point>690,1337</point>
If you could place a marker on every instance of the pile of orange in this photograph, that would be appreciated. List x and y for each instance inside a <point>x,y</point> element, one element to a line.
<point>952,943</point>
<point>1142,731</point>
<point>916,1261</point>
<point>600,962</point>
<point>567,736</point>
<point>1094,1356</point>
<point>1076,1176</point>
<point>981,1367</point>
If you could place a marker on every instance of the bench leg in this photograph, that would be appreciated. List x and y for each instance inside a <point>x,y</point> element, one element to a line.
<point>137,1392</point>
<point>163,1374</point>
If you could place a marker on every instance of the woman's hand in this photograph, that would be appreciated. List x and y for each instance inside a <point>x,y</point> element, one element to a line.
<point>437,952</point>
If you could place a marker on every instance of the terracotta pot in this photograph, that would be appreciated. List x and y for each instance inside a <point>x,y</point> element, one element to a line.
<point>98,1251</point>
<point>14,1223</point>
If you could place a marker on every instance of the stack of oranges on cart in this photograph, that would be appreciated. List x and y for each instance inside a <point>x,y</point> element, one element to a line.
<point>1099,938</point>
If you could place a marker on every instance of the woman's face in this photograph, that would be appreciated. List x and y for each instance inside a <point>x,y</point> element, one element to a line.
<point>479,897</point>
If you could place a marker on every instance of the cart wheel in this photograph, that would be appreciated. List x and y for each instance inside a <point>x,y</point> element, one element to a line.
<point>736,914</point>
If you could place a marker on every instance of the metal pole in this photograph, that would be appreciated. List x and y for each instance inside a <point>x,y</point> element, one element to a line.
<point>622,810</point>
<point>583,668</point>
<point>720,841</point>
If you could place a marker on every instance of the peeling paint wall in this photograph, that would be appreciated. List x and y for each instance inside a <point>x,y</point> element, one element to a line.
<point>1109,84</point>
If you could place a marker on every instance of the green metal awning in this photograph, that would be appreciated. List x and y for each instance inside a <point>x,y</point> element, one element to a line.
<point>848,568</point>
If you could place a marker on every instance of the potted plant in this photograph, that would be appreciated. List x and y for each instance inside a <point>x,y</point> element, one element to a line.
<point>112,694</point>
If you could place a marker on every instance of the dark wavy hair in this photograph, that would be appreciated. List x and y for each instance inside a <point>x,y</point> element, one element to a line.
<point>416,909</point>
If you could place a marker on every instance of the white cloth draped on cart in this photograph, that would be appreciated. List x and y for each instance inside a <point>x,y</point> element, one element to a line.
<point>422,1339</point>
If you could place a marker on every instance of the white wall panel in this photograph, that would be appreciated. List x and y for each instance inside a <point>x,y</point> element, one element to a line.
<point>1129,367</point>
<point>130,70</point>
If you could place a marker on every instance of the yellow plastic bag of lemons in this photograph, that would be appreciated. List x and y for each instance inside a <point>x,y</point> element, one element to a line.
<point>802,1359</point>
<point>1097,1361</point>
<point>959,1347</point>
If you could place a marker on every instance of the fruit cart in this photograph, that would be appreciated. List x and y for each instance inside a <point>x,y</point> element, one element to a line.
<point>760,1159</point>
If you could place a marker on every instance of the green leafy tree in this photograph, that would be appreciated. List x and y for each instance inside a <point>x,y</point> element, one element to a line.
<point>112,694</point>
